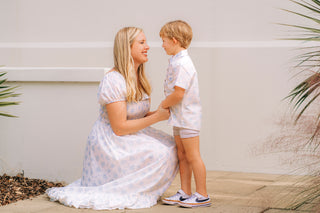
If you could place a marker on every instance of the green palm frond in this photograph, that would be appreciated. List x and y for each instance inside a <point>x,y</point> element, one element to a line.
<point>6,115</point>
<point>317,2</point>
<point>310,29</point>
<point>7,92</point>
<point>307,91</point>
<point>309,88</point>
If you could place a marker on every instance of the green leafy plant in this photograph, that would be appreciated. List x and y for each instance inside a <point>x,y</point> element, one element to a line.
<point>307,91</point>
<point>305,97</point>
<point>6,92</point>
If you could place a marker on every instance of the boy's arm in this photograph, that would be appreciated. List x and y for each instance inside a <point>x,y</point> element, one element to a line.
<point>174,98</point>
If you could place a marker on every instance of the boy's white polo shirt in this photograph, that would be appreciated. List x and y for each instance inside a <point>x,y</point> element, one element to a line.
<point>182,73</point>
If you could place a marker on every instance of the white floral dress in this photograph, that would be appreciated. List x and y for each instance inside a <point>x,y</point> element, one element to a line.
<point>130,171</point>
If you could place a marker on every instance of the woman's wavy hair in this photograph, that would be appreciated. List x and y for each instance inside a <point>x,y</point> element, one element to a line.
<point>123,63</point>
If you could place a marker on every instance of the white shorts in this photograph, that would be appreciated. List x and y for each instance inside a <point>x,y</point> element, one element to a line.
<point>185,133</point>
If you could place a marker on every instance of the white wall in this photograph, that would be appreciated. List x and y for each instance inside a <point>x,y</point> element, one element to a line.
<point>243,75</point>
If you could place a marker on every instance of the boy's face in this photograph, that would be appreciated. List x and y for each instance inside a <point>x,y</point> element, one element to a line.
<point>169,45</point>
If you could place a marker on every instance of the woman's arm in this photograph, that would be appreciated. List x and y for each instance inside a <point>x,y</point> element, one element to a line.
<point>150,112</point>
<point>117,113</point>
<point>174,98</point>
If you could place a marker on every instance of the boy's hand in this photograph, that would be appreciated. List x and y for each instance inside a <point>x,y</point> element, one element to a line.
<point>174,98</point>
<point>161,105</point>
<point>163,114</point>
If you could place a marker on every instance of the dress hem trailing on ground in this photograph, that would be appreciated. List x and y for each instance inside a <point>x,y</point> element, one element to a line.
<point>130,171</point>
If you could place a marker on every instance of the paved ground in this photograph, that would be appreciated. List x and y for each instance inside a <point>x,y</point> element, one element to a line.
<point>231,192</point>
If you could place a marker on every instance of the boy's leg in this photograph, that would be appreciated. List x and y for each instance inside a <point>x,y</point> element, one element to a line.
<point>184,167</point>
<point>191,148</point>
<point>185,174</point>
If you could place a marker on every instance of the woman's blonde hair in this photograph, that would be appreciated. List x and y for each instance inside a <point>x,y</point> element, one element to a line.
<point>180,30</point>
<point>137,85</point>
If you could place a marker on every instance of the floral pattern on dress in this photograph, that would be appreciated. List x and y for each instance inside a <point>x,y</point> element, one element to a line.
<point>130,171</point>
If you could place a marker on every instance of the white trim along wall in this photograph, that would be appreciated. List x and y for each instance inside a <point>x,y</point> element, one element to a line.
<point>54,74</point>
<point>220,44</point>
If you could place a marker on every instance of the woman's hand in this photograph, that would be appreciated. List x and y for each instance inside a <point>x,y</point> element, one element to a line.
<point>117,113</point>
<point>162,114</point>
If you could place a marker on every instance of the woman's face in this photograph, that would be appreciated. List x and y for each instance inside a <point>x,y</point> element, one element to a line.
<point>139,49</point>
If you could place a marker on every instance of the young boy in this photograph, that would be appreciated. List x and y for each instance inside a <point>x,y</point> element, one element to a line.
<point>182,97</point>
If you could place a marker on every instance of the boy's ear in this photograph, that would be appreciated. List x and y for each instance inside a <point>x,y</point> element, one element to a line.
<point>174,40</point>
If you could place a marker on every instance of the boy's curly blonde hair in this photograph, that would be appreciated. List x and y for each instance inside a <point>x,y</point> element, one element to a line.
<point>180,30</point>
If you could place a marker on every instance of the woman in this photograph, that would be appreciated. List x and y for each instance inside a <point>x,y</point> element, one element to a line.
<point>127,164</point>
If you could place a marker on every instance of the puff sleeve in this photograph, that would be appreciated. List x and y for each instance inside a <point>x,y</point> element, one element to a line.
<point>112,88</point>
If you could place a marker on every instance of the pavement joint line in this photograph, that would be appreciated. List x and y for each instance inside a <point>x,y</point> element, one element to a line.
<point>262,187</point>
